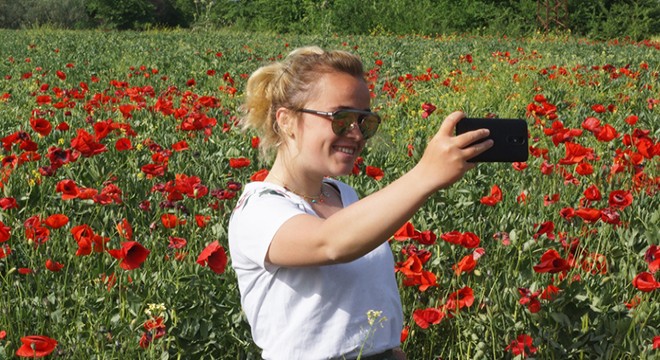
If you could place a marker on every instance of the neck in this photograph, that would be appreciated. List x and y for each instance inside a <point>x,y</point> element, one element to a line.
<point>299,182</point>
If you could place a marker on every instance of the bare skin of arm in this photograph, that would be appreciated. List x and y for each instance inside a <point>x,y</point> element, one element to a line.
<point>354,231</point>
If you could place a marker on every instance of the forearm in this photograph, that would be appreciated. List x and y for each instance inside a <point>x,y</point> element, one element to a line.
<point>361,227</point>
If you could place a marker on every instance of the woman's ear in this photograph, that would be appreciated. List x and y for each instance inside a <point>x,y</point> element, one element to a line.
<point>285,121</point>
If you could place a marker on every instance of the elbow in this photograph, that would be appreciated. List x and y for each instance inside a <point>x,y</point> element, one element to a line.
<point>338,255</point>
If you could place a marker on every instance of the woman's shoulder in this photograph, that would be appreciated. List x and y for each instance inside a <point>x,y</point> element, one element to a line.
<point>258,190</point>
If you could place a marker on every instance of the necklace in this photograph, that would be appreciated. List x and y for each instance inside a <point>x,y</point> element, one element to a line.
<point>311,199</point>
<point>320,198</point>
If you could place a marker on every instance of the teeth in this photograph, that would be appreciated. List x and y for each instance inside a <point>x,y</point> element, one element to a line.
<point>346,150</point>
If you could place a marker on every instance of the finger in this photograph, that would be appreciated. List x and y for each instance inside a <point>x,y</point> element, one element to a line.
<point>470,137</point>
<point>449,124</point>
<point>477,149</point>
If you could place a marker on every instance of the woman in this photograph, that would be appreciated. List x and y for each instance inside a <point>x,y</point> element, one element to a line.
<point>311,259</point>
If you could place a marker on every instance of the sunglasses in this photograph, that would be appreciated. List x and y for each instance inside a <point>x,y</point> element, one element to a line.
<point>343,120</point>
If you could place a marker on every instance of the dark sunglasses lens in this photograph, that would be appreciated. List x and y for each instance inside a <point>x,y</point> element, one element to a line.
<point>342,120</point>
<point>369,125</point>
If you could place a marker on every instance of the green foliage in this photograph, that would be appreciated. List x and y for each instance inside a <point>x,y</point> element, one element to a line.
<point>53,13</point>
<point>598,19</point>
<point>602,19</point>
<point>121,14</point>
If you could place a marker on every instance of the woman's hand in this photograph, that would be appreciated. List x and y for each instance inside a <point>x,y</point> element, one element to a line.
<point>446,156</point>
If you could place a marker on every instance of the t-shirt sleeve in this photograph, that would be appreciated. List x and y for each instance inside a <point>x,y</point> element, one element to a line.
<point>254,223</point>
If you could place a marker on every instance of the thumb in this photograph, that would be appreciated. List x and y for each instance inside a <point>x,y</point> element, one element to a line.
<point>449,124</point>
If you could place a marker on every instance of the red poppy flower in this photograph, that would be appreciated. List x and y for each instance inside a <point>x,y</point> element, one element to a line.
<point>86,144</point>
<point>547,228</point>
<point>652,257</point>
<point>42,126</point>
<point>530,300</point>
<point>591,124</point>
<point>589,215</point>
<point>423,279</point>
<point>374,172</point>
<point>214,256</point>
<point>132,254</point>
<point>413,265</point>
<point>567,213</point>
<point>53,266</point>
<point>656,342</point>
<point>180,146</point>
<point>470,240</point>
<point>576,153</point>
<point>551,262</point>
<point>547,168</point>
<point>68,188</point>
<point>645,282</point>
<point>550,292</point>
<point>176,242</point>
<point>254,142</point>
<point>154,170</point>
<point>632,119</point>
<point>169,221</point>
<point>466,264</point>
<point>123,144</point>
<point>56,221</point>
<point>427,237</point>
<point>607,133</point>
<point>519,166</point>
<point>36,346</point>
<point>426,317</point>
<point>202,220</point>
<point>452,237</point>
<point>405,232</point>
<point>460,299</point>
<point>592,193</point>
<point>5,232</point>
<point>63,126</point>
<point>87,240</point>
<point>125,229</point>
<point>8,203</point>
<point>523,346</point>
<point>494,197</point>
<point>550,199</point>
<point>25,271</point>
<point>126,110</point>
<point>406,330</point>
<point>584,168</point>
<point>428,109</point>
<point>43,99</point>
<point>620,199</point>
<point>259,175</point>
<point>237,163</point>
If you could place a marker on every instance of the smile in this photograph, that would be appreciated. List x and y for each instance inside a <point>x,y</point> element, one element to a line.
<point>345,150</point>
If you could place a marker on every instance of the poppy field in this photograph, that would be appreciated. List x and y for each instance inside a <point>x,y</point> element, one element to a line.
<point>122,160</point>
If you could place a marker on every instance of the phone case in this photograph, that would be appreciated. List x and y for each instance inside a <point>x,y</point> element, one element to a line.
<point>509,136</point>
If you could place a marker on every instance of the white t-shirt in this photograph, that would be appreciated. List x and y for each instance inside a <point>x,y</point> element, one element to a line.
<point>316,312</point>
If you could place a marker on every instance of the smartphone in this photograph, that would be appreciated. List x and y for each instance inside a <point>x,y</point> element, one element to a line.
<point>509,137</point>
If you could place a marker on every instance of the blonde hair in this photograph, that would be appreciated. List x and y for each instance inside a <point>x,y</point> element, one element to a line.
<point>287,84</point>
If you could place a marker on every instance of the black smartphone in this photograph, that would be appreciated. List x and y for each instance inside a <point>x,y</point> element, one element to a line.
<point>509,137</point>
